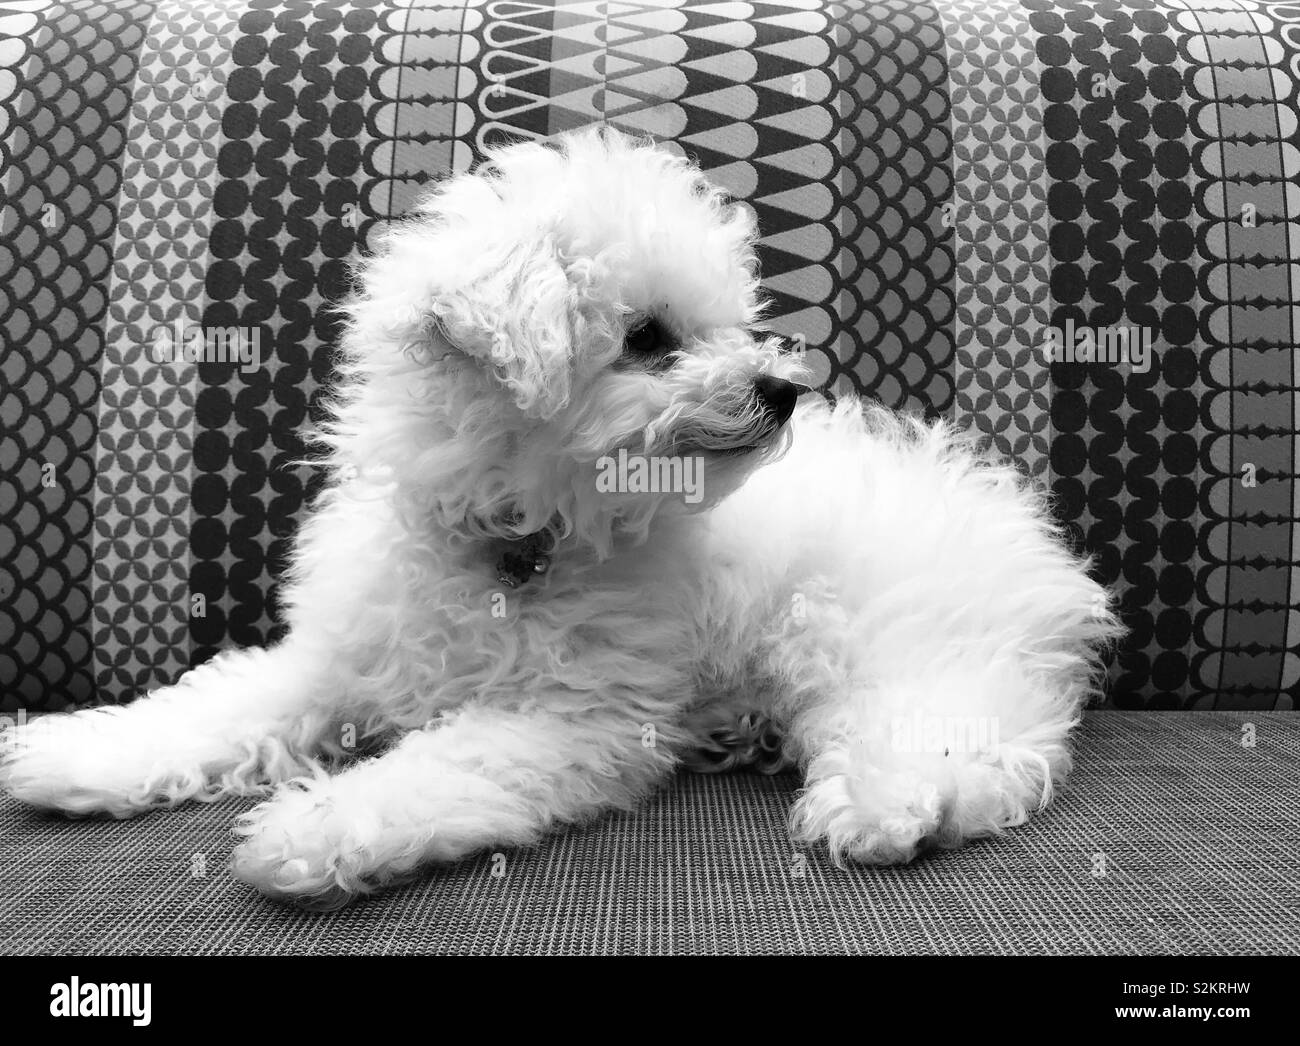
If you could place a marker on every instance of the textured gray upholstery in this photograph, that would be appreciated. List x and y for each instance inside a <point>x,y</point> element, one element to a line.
<point>1199,837</point>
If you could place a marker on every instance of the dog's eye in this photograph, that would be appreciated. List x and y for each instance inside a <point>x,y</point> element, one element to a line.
<point>647,340</point>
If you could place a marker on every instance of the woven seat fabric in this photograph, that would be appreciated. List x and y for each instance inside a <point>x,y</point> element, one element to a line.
<point>1172,837</point>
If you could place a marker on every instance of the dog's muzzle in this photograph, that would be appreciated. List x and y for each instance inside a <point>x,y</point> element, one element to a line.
<point>777,396</point>
<point>757,422</point>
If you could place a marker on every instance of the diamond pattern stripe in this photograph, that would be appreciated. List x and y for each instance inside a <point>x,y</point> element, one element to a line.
<point>999,217</point>
<point>142,599</point>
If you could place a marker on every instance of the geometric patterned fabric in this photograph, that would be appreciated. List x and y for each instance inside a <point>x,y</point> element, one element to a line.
<point>1071,224</point>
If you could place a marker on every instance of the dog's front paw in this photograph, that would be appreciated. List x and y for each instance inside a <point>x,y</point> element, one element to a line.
<point>81,764</point>
<point>302,847</point>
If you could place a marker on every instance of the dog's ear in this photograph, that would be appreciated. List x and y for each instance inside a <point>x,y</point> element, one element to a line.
<point>469,274</point>
<point>510,306</point>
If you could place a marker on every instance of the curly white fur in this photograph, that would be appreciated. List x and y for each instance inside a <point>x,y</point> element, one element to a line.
<point>870,570</point>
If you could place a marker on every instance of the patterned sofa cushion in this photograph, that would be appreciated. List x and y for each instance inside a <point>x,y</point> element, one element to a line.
<point>954,195</point>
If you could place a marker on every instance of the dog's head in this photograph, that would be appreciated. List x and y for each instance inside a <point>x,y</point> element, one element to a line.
<point>565,314</point>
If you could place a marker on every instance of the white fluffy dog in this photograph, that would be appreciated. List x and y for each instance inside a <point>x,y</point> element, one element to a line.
<point>489,608</point>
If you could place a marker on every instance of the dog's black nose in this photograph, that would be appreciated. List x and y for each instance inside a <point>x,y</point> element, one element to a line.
<point>777,395</point>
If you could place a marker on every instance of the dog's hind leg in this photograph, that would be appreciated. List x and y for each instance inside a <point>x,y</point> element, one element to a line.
<point>903,752</point>
<point>479,778</point>
<point>243,721</point>
<point>900,765</point>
